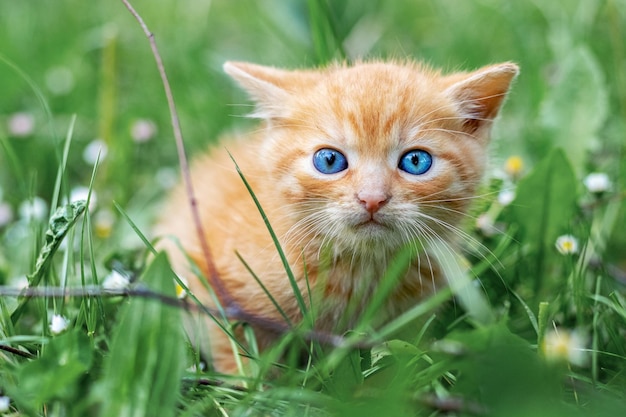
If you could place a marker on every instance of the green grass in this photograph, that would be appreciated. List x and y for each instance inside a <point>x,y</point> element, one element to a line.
<point>83,70</point>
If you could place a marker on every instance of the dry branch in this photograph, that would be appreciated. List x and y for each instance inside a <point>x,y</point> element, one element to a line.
<point>212,274</point>
<point>141,291</point>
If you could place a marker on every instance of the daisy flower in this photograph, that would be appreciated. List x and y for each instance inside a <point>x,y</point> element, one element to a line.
<point>563,345</point>
<point>567,245</point>
<point>513,166</point>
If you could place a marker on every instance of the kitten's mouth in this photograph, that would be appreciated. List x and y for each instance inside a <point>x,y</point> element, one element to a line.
<point>371,223</point>
<point>370,219</point>
<point>370,226</point>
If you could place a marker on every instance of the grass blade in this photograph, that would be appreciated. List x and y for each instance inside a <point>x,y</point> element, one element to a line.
<point>144,368</point>
<point>63,164</point>
<point>292,279</point>
<point>388,283</point>
<point>264,288</point>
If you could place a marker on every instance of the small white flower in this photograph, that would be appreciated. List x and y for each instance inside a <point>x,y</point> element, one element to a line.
<point>567,245</point>
<point>95,148</point>
<point>563,345</point>
<point>115,281</point>
<point>35,209</point>
<point>485,224</point>
<point>506,197</point>
<point>181,293</point>
<point>104,221</point>
<point>81,193</point>
<point>21,124</point>
<point>58,324</point>
<point>597,182</point>
<point>5,403</point>
<point>143,130</point>
<point>6,214</point>
<point>59,80</point>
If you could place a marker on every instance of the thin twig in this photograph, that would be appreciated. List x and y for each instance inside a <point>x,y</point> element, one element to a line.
<point>184,164</point>
<point>141,291</point>
<point>17,352</point>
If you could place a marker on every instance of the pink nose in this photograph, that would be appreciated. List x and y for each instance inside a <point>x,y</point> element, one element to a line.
<point>372,201</point>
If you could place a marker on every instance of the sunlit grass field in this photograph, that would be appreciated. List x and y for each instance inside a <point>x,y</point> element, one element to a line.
<point>540,330</point>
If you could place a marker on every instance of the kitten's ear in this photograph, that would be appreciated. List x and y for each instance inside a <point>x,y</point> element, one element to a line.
<point>269,87</point>
<point>480,94</point>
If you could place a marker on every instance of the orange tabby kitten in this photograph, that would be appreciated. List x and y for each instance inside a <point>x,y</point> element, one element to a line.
<point>351,164</point>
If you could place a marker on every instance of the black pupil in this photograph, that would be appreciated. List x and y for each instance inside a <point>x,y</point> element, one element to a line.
<point>330,158</point>
<point>415,159</point>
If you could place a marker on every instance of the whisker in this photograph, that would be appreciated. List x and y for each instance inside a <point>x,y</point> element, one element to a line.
<point>473,243</point>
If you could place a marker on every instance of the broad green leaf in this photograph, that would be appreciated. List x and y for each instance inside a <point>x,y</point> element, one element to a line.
<point>544,204</point>
<point>498,367</point>
<point>347,375</point>
<point>144,368</point>
<point>56,374</point>
<point>575,108</point>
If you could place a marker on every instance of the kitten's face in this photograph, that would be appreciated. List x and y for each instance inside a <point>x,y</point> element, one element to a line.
<point>376,155</point>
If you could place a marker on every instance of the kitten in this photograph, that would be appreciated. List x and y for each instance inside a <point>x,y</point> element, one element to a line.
<point>351,164</point>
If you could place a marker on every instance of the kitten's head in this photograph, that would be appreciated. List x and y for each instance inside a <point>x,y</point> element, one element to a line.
<point>376,154</point>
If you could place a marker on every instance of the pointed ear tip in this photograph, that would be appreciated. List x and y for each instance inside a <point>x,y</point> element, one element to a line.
<point>230,66</point>
<point>509,67</point>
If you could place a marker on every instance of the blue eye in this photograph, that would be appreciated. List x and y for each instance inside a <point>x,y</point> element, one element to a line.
<point>416,162</point>
<point>329,161</point>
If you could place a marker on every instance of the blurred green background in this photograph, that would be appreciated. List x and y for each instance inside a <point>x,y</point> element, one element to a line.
<point>91,60</point>
<point>85,71</point>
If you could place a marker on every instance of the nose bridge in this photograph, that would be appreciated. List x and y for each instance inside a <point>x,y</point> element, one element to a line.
<point>373,189</point>
<point>373,176</point>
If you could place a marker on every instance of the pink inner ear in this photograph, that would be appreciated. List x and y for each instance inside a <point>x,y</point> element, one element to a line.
<point>473,120</point>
